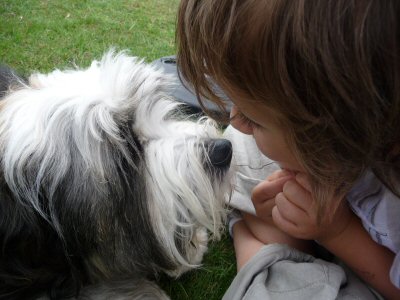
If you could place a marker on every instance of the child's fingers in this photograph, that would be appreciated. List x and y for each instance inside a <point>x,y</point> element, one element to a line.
<point>282,223</point>
<point>298,195</point>
<point>268,189</point>
<point>302,179</point>
<point>289,210</point>
<point>278,174</point>
<point>264,209</point>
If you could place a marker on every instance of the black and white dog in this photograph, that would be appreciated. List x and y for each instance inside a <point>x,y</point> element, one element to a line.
<point>104,183</point>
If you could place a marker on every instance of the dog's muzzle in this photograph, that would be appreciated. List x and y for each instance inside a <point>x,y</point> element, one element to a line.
<point>220,153</point>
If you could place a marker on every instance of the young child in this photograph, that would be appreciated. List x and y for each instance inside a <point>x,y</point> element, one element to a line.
<point>317,84</point>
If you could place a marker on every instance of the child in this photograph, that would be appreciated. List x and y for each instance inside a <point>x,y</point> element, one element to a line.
<point>317,84</point>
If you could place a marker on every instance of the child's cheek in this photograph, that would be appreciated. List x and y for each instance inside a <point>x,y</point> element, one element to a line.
<point>266,145</point>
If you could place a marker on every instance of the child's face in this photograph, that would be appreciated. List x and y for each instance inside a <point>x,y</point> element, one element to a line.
<point>257,120</point>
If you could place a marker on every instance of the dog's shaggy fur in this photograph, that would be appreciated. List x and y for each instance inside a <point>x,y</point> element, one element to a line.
<point>104,183</point>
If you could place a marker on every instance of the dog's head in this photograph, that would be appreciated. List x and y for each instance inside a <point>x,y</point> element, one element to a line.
<point>103,175</point>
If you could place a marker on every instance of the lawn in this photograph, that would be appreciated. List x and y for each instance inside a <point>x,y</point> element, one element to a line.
<point>40,35</point>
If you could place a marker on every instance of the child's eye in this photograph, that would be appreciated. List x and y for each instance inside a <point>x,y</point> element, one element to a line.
<point>245,120</point>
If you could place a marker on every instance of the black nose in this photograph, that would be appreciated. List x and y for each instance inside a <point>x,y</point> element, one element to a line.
<point>220,152</point>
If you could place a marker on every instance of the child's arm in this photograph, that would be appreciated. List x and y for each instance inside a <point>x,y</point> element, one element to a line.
<point>245,243</point>
<point>252,233</point>
<point>341,233</point>
<point>364,256</point>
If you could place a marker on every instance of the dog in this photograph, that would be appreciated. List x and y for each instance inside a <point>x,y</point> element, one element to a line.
<point>105,182</point>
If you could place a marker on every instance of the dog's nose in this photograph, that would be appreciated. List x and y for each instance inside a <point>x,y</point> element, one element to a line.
<point>220,152</point>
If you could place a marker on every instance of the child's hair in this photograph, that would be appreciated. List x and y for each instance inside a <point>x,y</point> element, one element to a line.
<point>329,69</point>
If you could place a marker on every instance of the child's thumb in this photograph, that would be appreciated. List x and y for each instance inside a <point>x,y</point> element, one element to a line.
<point>266,190</point>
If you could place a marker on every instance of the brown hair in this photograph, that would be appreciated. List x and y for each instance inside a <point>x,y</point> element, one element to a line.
<point>330,69</point>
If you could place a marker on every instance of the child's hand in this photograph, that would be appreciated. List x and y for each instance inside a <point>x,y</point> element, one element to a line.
<point>294,211</point>
<point>263,195</point>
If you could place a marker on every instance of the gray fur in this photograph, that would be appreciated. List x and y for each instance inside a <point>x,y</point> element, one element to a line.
<point>103,184</point>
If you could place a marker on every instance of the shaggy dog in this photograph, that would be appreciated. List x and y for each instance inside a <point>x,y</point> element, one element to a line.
<point>104,183</point>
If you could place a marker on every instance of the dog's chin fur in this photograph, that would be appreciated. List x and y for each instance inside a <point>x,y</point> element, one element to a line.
<point>104,183</point>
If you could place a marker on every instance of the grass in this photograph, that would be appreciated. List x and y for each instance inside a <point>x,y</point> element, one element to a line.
<point>208,282</point>
<point>40,35</point>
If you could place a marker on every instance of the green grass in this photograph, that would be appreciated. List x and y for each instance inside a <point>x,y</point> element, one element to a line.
<point>40,35</point>
<point>209,281</point>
